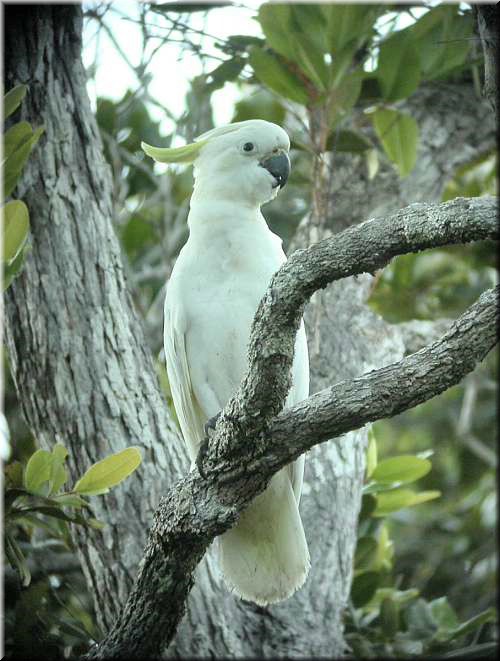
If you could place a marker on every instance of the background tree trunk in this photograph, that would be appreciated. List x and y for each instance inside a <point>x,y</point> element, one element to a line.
<point>85,377</point>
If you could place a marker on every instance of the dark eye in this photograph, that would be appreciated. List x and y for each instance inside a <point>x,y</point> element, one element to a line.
<point>248,146</point>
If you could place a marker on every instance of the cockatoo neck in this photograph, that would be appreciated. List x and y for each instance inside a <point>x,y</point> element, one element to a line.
<point>213,209</point>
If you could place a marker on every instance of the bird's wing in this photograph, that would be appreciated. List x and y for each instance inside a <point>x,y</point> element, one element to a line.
<point>191,417</point>
<point>298,392</point>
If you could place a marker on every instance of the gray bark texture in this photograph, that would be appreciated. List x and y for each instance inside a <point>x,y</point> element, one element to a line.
<point>254,438</point>
<point>78,356</point>
<point>85,377</point>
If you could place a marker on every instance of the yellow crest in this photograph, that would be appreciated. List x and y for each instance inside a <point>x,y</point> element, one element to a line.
<point>185,154</point>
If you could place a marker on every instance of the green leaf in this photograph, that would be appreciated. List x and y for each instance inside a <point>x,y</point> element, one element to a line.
<point>474,623</point>
<point>444,38</point>
<point>58,472</point>
<point>12,100</point>
<point>421,622</point>
<point>348,25</point>
<point>38,471</point>
<point>270,71</point>
<point>15,229</point>
<point>397,499</point>
<point>398,68</point>
<point>363,588</point>
<point>385,550</point>
<point>14,164</point>
<point>404,468</point>
<point>12,270</point>
<point>225,72</point>
<point>398,133</point>
<point>17,559</point>
<point>345,140</point>
<point>276,23</point>
<point>108,472</point>
<point>16,136</point>
<point>365,552</point>
<point>443,613</point>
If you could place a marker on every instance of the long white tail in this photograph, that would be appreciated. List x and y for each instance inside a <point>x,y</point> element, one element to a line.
<point>265,558</point>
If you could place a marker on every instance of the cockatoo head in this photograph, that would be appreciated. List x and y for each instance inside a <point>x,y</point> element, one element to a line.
<point>245,161</point>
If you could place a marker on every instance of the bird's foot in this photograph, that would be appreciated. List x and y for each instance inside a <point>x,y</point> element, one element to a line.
<point>209,429</point>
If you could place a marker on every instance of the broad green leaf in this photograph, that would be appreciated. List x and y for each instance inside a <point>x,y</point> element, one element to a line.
<point>38,471</point>
<point>363,587</point>
<point>14,164</point>
<point>421,622</point>
<point>398,133</point>
<point>398,68</point>
<point>346,140</point>
<point>276,23</point>
<point>12,100</point>
<point>108,472</point>
<point>16,136</point>
<point>58,472</point>
<point>444,614</point>
<point>444,38</point>
<point>403,468</point>
<point>365,552</point>
<point>12,270</point>
<point>17,560</point>
<point>15,229</point>
<point>225,72</point>
<point>385,549</point>
<point>348,25</point>
<point>270,71</point>
<point>397,499</point>
<point>371,453</point>
<point>489,615</point>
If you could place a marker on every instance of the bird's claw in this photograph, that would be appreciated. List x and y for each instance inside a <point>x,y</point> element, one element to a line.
<point>209,429</point>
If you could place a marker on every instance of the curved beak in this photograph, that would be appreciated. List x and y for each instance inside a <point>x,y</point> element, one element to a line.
<point>279,166</point>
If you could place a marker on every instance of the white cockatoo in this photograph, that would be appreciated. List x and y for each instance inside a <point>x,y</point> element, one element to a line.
<point>218,280</point>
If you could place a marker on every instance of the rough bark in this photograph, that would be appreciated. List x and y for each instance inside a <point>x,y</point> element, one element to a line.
<point>346,338</point>
<point>81,365</point>
<point>92,386</point>
<point>197,509</point>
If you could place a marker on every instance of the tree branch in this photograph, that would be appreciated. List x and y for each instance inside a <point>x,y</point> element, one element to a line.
<point>253,439</point>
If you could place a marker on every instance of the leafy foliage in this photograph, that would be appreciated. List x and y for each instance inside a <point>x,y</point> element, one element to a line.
<point>18,142</point>
<point>32,493</point>
<point>352,66</point>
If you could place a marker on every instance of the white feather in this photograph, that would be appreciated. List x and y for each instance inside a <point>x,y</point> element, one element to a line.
<point>217,283</point>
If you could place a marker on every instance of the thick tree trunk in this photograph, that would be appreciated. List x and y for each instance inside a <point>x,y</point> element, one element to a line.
<point>85,378</point>
<point>79,359</point>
